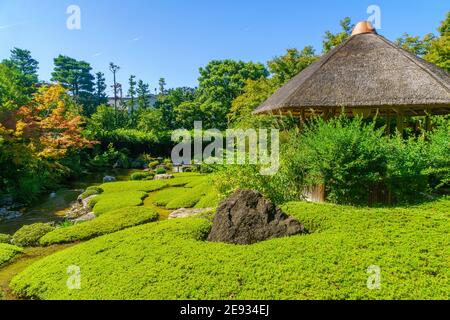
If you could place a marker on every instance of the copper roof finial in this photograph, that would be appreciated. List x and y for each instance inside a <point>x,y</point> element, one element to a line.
<point>363,27</point>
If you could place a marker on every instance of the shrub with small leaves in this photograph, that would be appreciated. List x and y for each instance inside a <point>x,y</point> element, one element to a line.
<point>137,176</point>
<point>5,238</point>
<point>29,235</point>
<point>161,171</point>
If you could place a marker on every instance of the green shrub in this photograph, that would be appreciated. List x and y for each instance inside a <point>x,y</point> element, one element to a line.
<point>153,164</point>
<point>8,252</point>
<point>112,201</point>
<point>163,197</point>
<point>170,260</point>
<point>29,235</point>
<point>105,224</point>
<point>5,238</point>
<point>161,171</point>
<point>91,191</point>
<point>141,176</point>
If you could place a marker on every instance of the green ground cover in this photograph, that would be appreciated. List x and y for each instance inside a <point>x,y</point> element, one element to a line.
<point>105,224</point>
<point>8,252</point>
<point>171,260</point>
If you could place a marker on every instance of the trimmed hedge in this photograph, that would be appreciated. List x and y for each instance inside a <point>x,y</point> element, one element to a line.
<point>5,238</point>
<point>91,191</point>
<point>138,176</point>
<point>8,252</point>
<point>112,201</point>
<point>105,224</point>
<point>28,236</point>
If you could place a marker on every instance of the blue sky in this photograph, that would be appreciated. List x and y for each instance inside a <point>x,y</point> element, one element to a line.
<point>173,38</point>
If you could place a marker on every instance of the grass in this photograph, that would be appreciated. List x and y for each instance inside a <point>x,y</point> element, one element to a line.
<point>171,260</point>
<point>8,252</point>
<point>105,224</point>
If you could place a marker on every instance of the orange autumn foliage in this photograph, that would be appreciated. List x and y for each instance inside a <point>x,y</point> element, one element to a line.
<point>48,127</point>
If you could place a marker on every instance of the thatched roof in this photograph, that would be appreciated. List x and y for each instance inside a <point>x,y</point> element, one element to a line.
<point>367,73</point>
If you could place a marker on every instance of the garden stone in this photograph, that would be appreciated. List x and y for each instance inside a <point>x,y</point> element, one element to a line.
<point>107,179</point>
<point>163,177</point>
<point>80,208</point>
<point>87,217</point>
<point>185,213</point>
<point>247,217</point>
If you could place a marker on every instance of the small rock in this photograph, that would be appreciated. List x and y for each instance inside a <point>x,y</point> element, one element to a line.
<point>163,177</point>
<point>247,217</point>
<point>87,217</point>
<point>107,179</point>
<point>52,195</point>
<point>185,213</point>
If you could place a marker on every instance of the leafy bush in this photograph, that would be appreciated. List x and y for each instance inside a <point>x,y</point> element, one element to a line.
<point>161,171</point>
<point>352,158</point>
<point>105,224</point>
<point>29,235</point>
<point>91,191</point>
<point>5,238</point>
<point>8,252</point>
<point>329,263</point>
<point>153,164</point>
<point>137,176</point>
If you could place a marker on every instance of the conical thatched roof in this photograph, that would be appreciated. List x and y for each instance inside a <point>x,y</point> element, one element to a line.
<point>367,73</point>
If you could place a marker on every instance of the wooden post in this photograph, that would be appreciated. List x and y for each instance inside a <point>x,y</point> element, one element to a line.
<point>427,123</point>
<point>388,122</point>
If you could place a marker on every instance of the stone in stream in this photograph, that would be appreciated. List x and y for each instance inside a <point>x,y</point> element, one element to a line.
<point>107,179</point>
<point>247,217</point>
<point>80,208</point>
<point>6,214</point>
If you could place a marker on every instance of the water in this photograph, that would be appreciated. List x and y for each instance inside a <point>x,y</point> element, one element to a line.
<point>53,208</point>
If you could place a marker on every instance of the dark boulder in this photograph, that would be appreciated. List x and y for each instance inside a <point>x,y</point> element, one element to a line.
<point>247,217</point>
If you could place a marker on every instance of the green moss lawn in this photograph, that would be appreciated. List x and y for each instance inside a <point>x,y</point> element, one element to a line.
<point>171,259</point>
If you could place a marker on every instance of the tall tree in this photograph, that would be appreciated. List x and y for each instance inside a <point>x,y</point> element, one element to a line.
<point>439,51</point>
<point>76,76</point>
<point>162,86</point>
<point>172,99</point>
<point>288,66</point>
<point>100,88</point>
<point>332,40</point>
<point>143,95</point>
<point>22,60</point>
<point>12,92</point>
<point>220,82</point>
<point>114,69</point>
<point>132,92</point>
<point>416,45</point>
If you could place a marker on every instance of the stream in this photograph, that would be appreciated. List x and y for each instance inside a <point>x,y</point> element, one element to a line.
<point>53,208</point>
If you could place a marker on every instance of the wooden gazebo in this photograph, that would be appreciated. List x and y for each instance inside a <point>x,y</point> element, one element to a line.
<point>365,75</point>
